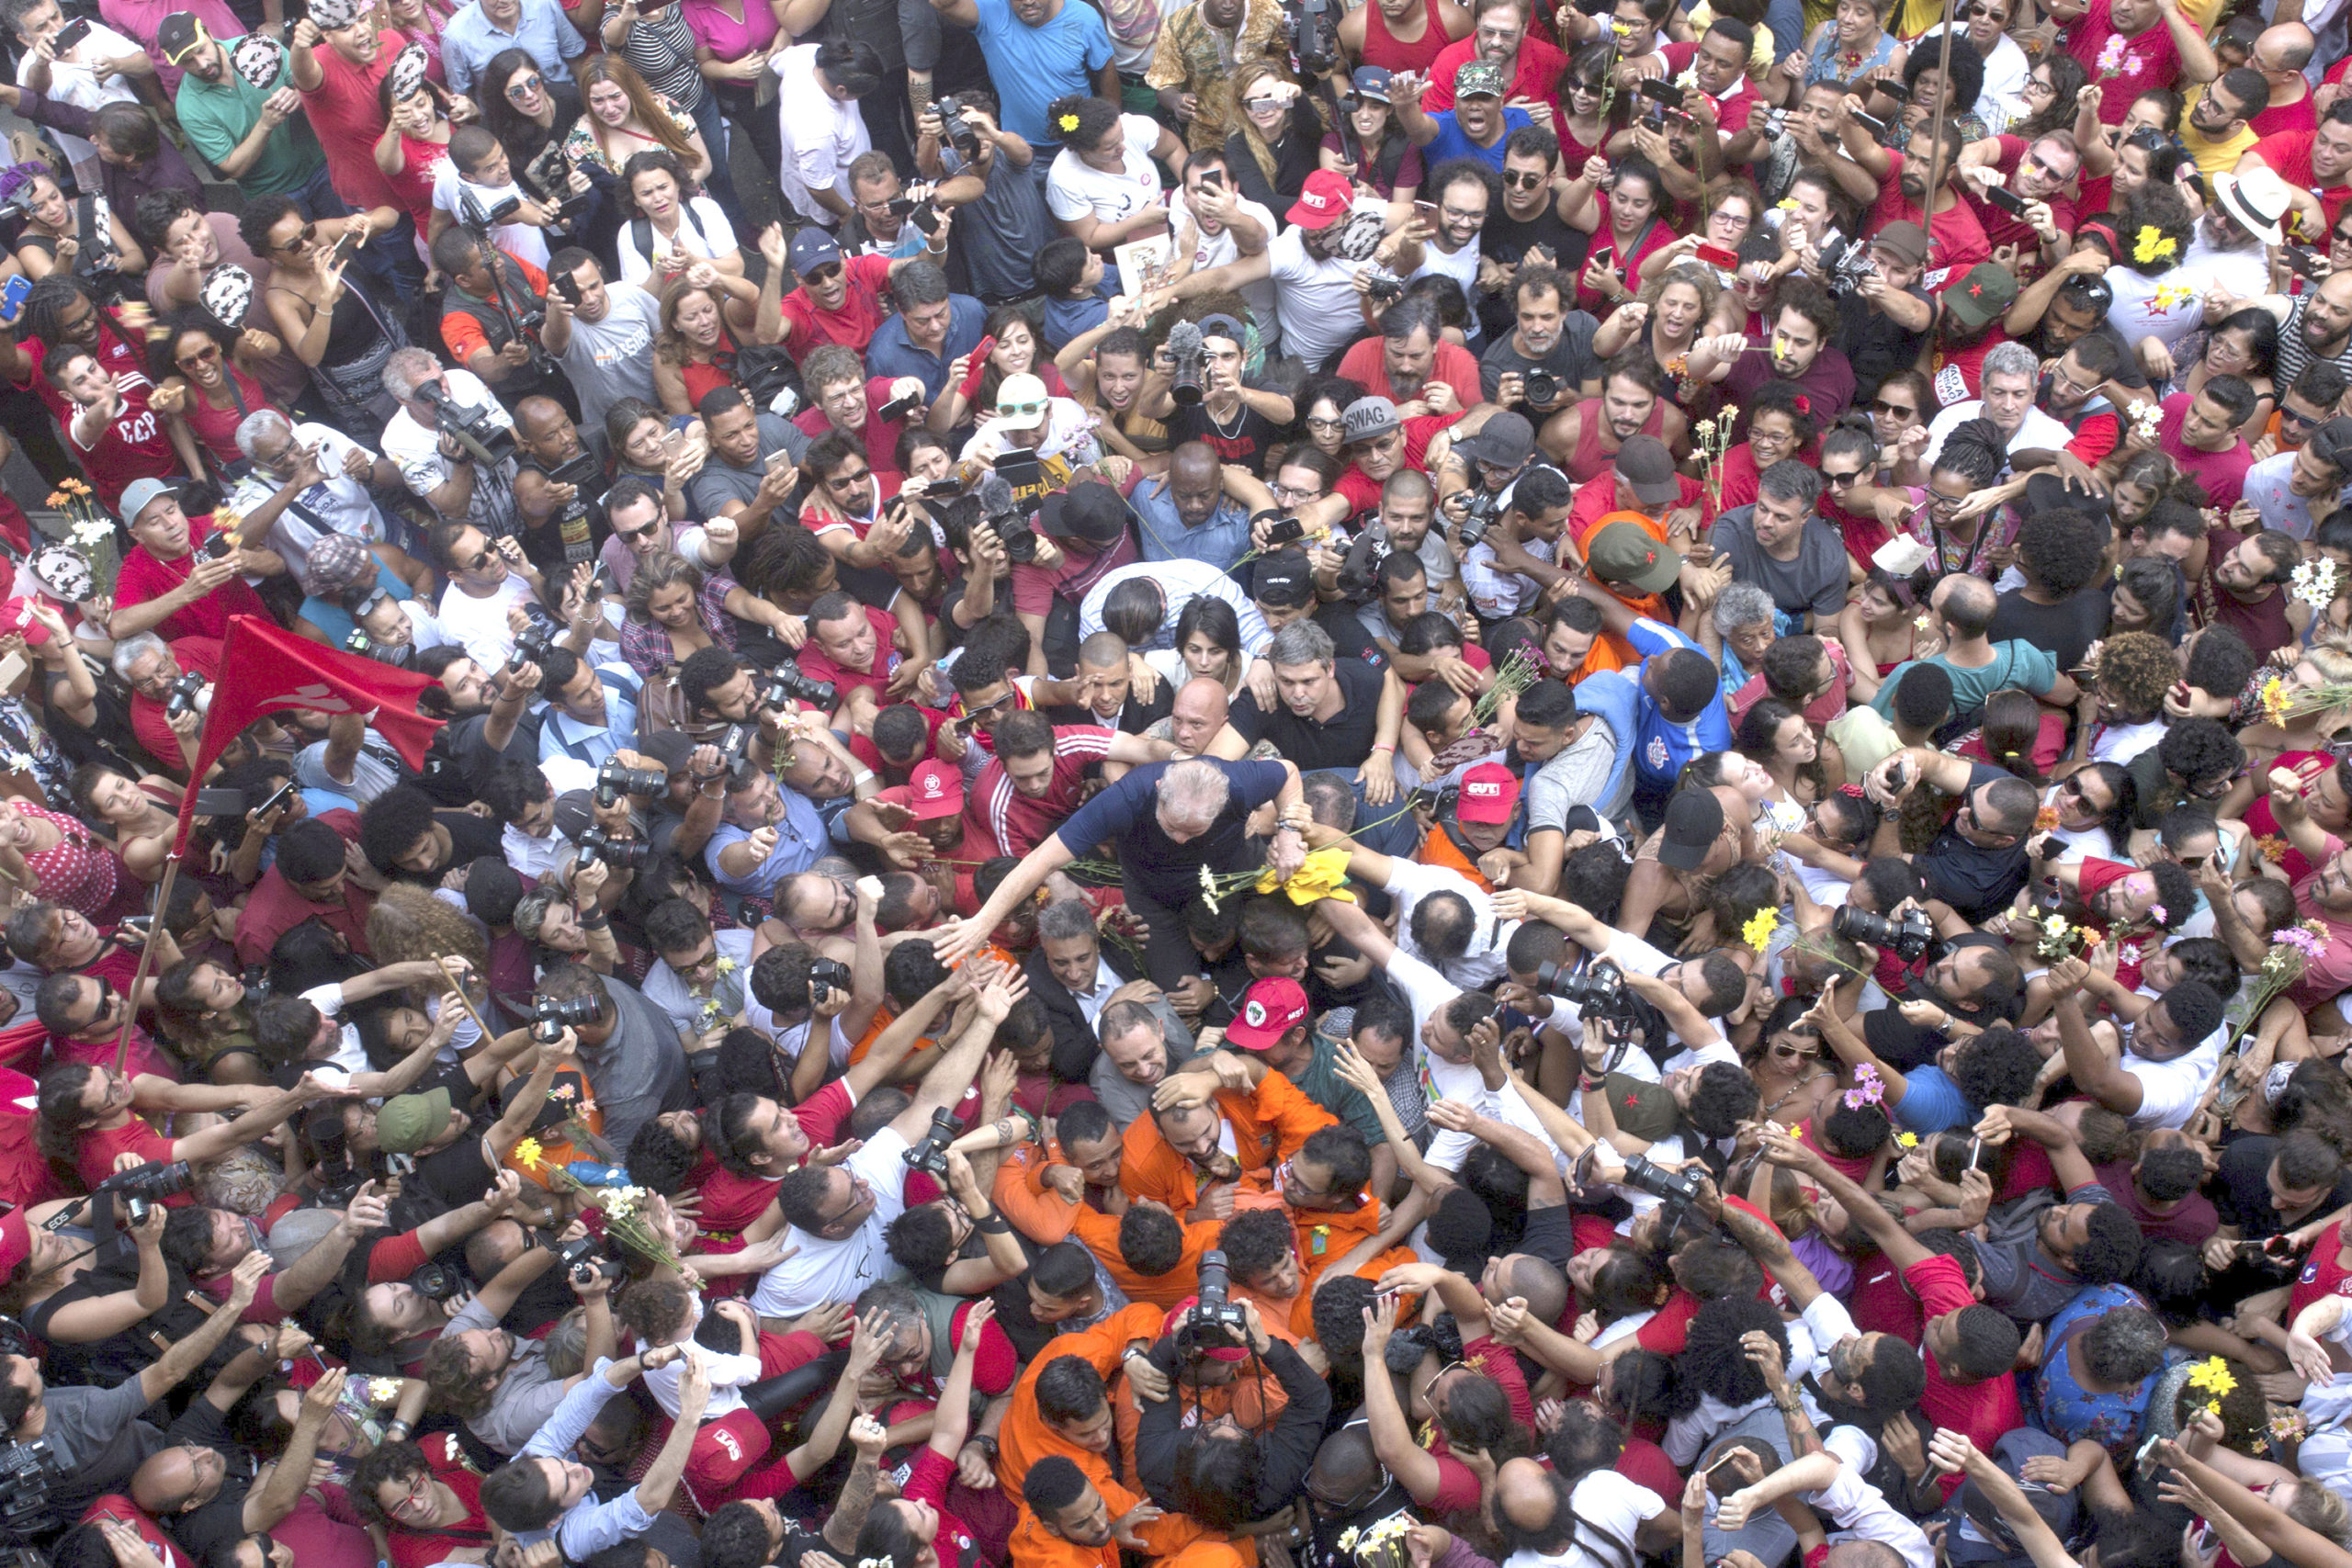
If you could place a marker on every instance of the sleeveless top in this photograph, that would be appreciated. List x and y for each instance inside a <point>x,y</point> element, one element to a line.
<point>216,429</point>
<point>1823,63</point>
<point>1589,462</point>
<point>414,183</point>
<point>1384,50</point>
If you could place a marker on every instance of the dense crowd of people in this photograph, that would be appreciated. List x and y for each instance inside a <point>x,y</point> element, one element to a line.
<point>1652,703</point>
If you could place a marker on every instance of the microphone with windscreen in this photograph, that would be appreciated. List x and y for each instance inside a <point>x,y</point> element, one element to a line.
<point>1190,361</point>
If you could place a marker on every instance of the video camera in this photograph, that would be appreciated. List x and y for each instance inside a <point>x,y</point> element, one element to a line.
<point>1908,937</point>
<point>27,1469</point>
<point>787,679</point>
<point>615,779</point>
<point>1189,370</point>
<point>550,1016</point>
<point>620,853</point>
<point>150,1183</point>
<point>1001,511</point>
<point>184,692</point>
<point>1311,27</point>
<point>930,1155</point>
<point>470,427</point>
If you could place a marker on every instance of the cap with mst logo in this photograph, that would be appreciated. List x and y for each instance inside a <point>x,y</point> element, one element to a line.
<point>1270,1009</point>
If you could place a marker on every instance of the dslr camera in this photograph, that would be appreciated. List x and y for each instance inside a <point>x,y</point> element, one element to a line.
<point>930,1155</point>
<point>787,680</point>
<point>962,137</point>
<point>1382,284</point>
<point>152,1181</point>
<point>27,1469</point>
<point>831,974</point>
<point>1217,1322</point>
<point>1845,264</point>
<point>615,780</point>
<point>472,428</point>
<point>184,692</point>
<point>256,981</point>
<point>584,1259</point>
<point>532,644</point>
<point>1478,515</point>
<point>1540,388</point>
<point>437,1282</point>
<point>1908,937</point>
<point>620,853</point>
<point>550,1016</point>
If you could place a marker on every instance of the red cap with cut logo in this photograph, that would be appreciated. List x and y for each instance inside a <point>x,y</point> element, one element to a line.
<point>1323,200</point>
<point>1489,793</point>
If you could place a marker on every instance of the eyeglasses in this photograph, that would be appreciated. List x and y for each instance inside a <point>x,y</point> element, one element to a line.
<point>106,996</point>
<point>1293,493</point>
<point>843,482</point>
<point>524,89</point>
<point>2213,789</point>
<point>1893,411</point>
<point>2073,784</point>
<point>1524,179</point>
<point>204,355</point>
<point>1943,503</point>
<point>1315,424</point>
<point>821,274</point>
<point>2037,88</point>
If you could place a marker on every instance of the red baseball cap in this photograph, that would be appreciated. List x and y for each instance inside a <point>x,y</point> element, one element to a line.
<point>1270,1009</point>
<point>1175,1320</point>
<point>1489,793</point>
<point>935,790</point>
<point>1323,200</point>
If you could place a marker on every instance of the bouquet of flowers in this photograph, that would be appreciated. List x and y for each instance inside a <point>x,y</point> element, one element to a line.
<point>2145,420</point>
<point>2314,582</point>
<point>1513,675</point>
<point>1383,1544</point>
<point>2211,1377</point>
<point>2282,705</point>
<point>1714,440</point>
<point>605,1188</point>
<point>1758,930</point>
<point>89,531</point>
<point>2053,936</point>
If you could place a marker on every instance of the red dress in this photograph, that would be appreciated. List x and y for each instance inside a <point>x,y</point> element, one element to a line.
<point>216,429</point>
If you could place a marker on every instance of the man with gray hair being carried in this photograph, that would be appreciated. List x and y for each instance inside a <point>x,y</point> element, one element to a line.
<point>1172,828</point>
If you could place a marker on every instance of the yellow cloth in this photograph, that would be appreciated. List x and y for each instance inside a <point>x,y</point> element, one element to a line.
<point>1320,876</point>
<point>2213,157</point>
<point>1759,58</point>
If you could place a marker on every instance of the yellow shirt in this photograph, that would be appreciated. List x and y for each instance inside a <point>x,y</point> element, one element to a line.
<point>1759,58</point>
<point>2213,157</point>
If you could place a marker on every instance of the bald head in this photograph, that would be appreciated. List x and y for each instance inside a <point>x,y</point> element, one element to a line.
<point>2285,47</point>
<point>1103,650</point>
<point>1967,604</point>
<point>1532,1505</point>
<point>1346,1464</point>
<point>1195,462</point>
<point>1197,713</point>
<point>539,417</point>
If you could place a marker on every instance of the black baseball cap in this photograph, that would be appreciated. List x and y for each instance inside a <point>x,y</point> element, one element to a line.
<point>1093,512</point>
<point>1283,581</point>
<point>1694,820</point>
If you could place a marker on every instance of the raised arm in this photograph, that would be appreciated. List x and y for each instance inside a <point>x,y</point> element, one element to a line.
<point>1901,1247</point>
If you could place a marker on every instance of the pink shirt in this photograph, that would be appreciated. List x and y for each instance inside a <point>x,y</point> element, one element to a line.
<point>139,19</point>
<point>723,35</point>
<point>2221,473</point>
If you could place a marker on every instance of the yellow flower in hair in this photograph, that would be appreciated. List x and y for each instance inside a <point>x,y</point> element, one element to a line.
<point>1907,1140</point>
<point>1068,122</point>
<point>2153,243</point>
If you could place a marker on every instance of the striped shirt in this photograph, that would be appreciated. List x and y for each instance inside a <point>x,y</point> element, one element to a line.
<point>662,47</point>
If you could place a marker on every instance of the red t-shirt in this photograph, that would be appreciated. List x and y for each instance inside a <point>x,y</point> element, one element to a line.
<point>1982,1410</point>
<point>2122,68</point>
<point>818,665</point>
<point>1958,374</point>
<point>1361,490</point>
<point>2322,1275</point>
<point>1540,65</point>
<point>201,655</point>
<point>275,908</point>
<point>144,577</point>
<point>447,1461</point>
<point>2002,227</point>
<point>2221,473</point>
<point>1000,820</point>
<point>1955,239</point>
<point>1035,587</point>
<point>806,326</point>
<point>94,1151</point>
<point>880,435</point>
<point>346,112</point>
<point>1881,1303</point>
<point>1732,109</point>
<point>1655,235</point>
<point>2297,115</point>
<point>2288,154</point>
<point>1367,365</point>
<point>2308,766</point>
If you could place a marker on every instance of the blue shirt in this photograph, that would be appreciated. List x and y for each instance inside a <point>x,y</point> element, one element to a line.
<point>1451,143</point>
<point>1067,319</point>
<point>1932,1102</point>
<point>542,32</point>
<point>1033,66</point>
<point>892,355</point>
<point>800,840</point>
<point>1664,748</point>
<point>560,735</point>
<point>1127,815</point>
<point>1219,542</point>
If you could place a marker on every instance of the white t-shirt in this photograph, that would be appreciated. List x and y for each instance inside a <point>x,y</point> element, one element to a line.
<point>415,450</point>
<point>1075,187</point>
<point>2169,1090</point>
<point>822,136</point>
<point>1182,581</point>
<point>666,990</point>
<point>1484,964</point>
<point>837,1270</point>
<point>2167,309</point>
<point>479,625</point>
<point>72,81</point>
<point>1609,1510</point>
<point>2122,742</point>
<point>715,237</point>
<point>338,502</point>
<point>1316,299</point>
<point>1216,250</point>
<point>520,238</point>
<point>2038,433</point>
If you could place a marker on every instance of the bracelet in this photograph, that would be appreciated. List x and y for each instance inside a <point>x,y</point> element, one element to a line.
<point>596,921</point>
<point>1385,748</point>
<point>995,1224</point>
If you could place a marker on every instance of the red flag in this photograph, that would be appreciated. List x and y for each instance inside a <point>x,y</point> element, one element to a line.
<point>266,668</point>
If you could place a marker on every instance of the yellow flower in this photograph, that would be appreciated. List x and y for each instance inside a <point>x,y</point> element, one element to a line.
<point>1317,876</point>
<point>1758,933</point>
<point>2274,700</point>
<point>2153,243</point>
<point>56,502</point>
<point>2211,1376</point>
<point>1068,122</point>
<point>1907,1140</point>
<point>1787,203</point>
<point>725,966</point>
<point>527,1153</point>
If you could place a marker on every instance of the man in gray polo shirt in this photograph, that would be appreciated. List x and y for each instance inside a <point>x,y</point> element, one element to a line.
<point>602,333</point>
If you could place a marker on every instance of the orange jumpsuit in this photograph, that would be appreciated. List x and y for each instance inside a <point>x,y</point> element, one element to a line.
<point>1268,1128</point>
<point>1024,1439</point>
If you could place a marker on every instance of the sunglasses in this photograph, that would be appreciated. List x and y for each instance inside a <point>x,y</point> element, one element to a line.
<point>481,561</point>
<point>1524,179</point>
<point>1021,411</point>
<point>309,232</point>
<point>204,355</point>
<point>1880,405</point>
<point>821,274</point>
<point>2289,416</point>
<point>1841,481</point>
<point>843,482</point>
<point>641,532</point>
<point>524,89</point>
<point>1795,1054</point>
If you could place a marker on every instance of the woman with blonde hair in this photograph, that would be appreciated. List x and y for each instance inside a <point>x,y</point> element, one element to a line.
<point>674,608</point>
<point>1677,306</point>
<point>1278,139</point>
<point>621,116</point>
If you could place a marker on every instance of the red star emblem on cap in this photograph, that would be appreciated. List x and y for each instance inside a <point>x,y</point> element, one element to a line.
<point>1976,289</point>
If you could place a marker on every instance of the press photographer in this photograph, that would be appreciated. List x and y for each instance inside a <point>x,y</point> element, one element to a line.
<point>453,440</point>
<point>1205,1446</point>
<point>491,315</point>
